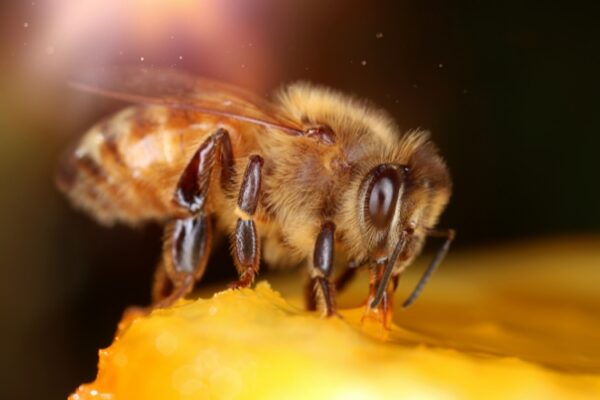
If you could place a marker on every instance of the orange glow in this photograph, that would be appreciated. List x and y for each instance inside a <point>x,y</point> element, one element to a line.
<point>219,37</point>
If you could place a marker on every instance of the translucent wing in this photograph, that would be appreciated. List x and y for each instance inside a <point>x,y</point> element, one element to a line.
<point>176,89</point>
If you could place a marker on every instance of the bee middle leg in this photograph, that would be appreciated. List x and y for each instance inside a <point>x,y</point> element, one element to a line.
<point>246,245</point>
<point>322,265</point>
<point>188,239</point>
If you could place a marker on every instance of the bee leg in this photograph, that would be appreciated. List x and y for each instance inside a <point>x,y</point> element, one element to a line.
<point>187,241</point>
<point>194,182</point>
<point>347,276</point>
<point>322,266</point>
<point>246,246</point>
<point>185,254</point>
<point>161,284</point>
<point>310,298</point>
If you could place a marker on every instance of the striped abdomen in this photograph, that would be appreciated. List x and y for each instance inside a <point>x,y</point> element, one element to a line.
<point>125,169</point>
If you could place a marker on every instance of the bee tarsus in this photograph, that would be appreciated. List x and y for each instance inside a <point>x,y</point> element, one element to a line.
<point>246,243</point>
<point>322,267</point>
<point>185,255</point>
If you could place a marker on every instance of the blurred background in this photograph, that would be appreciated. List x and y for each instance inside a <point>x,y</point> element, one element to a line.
<point>506,89</point>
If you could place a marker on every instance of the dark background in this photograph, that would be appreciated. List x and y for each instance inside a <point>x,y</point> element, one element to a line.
<point>508,91</point>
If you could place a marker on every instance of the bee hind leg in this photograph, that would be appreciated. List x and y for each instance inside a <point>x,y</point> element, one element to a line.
<point>194,181</point>
<point>187,241</point>
<point>246,245</point>
<point>185,255</point>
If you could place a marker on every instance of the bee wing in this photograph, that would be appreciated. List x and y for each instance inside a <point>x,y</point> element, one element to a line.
<point>176,89</point>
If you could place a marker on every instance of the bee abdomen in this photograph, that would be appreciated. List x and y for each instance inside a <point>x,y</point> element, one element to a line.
<point>97,179</point>
<point>87,185</point>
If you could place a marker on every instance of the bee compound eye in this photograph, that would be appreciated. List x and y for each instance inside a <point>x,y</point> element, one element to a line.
<point>382,195</point>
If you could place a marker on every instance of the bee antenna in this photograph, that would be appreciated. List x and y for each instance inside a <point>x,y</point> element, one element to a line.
<point>449,234</point>
<point>388,270</point>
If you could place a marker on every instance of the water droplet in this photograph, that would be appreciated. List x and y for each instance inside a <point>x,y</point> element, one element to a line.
<point>243,65</point>
<point>181,57</point>
<point>26,25</point>
<point>141,58</point>
<point>379,35</point>
<point>363,62</point>
<point>440,65</point>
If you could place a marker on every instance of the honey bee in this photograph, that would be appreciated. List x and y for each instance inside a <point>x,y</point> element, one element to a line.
<point>308,177</point>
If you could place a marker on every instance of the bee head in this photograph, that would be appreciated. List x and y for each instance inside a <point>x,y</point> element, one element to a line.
<point>381,196</point>
<point>400,201</point>
<point>400,205</point>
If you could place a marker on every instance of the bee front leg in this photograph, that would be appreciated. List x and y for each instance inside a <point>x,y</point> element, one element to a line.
<point>187,241</point>
<point>322,265</point>
<point>246,248</point>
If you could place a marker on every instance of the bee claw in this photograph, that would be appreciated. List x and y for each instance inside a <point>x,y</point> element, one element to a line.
<point>246,280</point>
